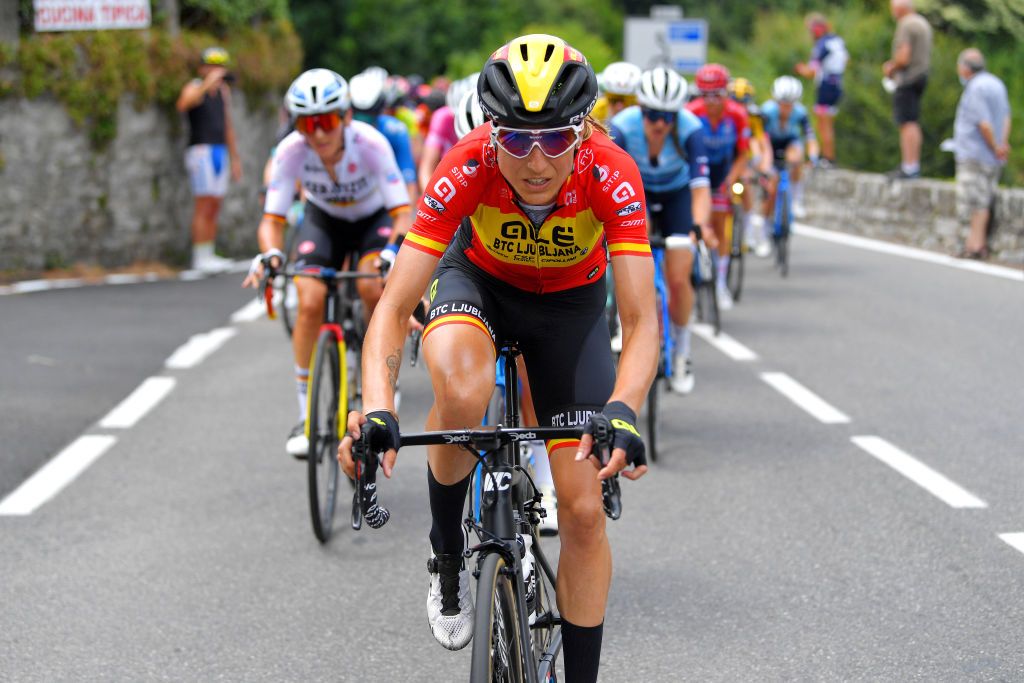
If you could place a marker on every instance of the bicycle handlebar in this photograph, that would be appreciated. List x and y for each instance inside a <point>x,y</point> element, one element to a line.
<point>671,242</point>
<point>366,505</point>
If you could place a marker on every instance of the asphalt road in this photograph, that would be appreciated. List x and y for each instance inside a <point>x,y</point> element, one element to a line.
<point>765,545</point>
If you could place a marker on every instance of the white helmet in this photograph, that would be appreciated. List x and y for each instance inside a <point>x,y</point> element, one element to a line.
<point>459,88</point>
<point>317,91</point>
<point>376,71</point>
<point>787,89</point>
<point>468,114</point>
<point>367,91</point>
<point>621,78</point>
<point>662,89</point>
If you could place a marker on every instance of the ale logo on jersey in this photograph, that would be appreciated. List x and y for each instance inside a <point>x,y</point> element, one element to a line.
<point>623,192</point>
<point>445,189</point>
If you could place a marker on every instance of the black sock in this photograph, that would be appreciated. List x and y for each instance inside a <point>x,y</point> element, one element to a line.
<point>581,651</point>
<point>446,506</point>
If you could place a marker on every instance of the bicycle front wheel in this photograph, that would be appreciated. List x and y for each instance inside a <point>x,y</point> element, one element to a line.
<point>734,275</point>
<point>497,647</point>
<point>324,409</point>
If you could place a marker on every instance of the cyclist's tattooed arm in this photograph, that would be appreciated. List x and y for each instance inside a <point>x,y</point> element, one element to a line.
<point>394,363</point>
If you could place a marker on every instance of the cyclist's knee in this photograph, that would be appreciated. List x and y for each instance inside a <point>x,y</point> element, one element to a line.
<point>581,519</point>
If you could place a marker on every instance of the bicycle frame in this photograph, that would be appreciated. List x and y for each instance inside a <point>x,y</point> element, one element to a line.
<point>783,209</point>
<point>664,321</point>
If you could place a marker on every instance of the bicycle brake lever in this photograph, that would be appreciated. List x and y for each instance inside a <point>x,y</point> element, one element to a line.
<point>364,500</point>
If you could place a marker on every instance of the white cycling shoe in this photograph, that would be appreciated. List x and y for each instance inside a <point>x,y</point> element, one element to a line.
<point>449,604</point>
<point>682,380</point>
<point>298,444</point>
<point>725,302</point>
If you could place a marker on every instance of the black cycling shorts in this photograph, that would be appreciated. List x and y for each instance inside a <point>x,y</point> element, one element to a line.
<point>324,240</point>
<point>563,335</point>
<point>671,213</point>
<point>906,101</point>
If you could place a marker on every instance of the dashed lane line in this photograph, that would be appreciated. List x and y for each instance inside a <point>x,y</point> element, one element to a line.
<point>199,347</point>
<point>138,403</point>
<point>804,398</point>
<point>56,474</point>
<point>724,343</point>
<point>937,484</point>
<point>1014,540</point>
<point>254,310</point>
<point>908,252</point>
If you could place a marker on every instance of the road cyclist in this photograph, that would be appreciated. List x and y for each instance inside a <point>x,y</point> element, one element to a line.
<point>788,128</point>
<point>742,91</point>
<point>548,196</point>
<point>727,141</point>
<point>367,92</point>
<point>667,143</point>
<point>619,84</point>
<point>356,201</point>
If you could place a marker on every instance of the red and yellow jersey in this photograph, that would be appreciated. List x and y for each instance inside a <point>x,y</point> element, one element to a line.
<point>601,203</point>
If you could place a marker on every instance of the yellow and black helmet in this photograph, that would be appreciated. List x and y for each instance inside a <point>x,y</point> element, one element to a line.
<point>537,81</point>
<point>215,56</point>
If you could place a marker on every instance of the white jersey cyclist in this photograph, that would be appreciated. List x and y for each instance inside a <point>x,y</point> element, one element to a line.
<point>367,176</point>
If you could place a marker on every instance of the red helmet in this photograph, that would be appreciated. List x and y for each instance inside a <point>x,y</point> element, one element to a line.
<point>712,77</point>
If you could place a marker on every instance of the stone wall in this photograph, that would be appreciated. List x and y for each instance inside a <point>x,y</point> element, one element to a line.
<point>61,203</point>
<point>919,213</point>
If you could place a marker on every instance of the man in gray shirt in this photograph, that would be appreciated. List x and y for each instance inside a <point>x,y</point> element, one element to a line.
<point>909,67</point>
<point>981,134</point>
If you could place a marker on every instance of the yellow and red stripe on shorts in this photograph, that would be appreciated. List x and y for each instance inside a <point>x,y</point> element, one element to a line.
<point>458,319</point>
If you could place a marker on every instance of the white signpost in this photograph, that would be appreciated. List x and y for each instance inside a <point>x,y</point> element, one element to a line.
<point>91,15</point>
<point>661,40</point>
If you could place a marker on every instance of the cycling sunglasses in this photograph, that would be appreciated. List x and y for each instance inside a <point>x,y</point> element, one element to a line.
<point>715,94</point>
<point>653,115</point>
<point>616,99</point>
<point>553,142</point>
<point>310,122</point>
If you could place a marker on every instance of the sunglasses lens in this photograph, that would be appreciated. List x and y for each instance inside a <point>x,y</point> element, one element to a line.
<point>553,143</point>
<point>327,122</point>
<point>654,116</point>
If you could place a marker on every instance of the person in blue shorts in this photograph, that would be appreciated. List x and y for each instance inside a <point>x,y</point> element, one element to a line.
<point>826,67</point>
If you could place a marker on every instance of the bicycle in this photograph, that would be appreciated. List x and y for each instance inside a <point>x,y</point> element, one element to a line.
<point>703,280</point>
<point>734,233</point>
<point>512,641</point>
<point>783,216</point>
<point>666,368</point>
<point>335,387</point>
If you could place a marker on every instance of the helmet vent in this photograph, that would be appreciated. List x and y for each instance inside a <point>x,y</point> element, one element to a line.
<point>312,90</point>
<point>550,51</point>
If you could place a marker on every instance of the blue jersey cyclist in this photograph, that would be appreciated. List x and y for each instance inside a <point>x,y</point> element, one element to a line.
<point>667,143</point>
<point>788,127</point>
<point>826,67</point>
<point>367,91</point>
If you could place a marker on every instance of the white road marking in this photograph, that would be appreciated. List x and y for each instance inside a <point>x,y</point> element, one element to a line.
<point>196,349</point>
<point>908,252</point>
<point>1015,540</point>
<point>55,475</point>
<point>940,486</point>
<point>138,403</point>
<point>724,343</point>
<point>804,397</point>
<point>254,310</point>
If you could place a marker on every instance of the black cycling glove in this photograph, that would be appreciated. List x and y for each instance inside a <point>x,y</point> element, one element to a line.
<point>618,419</point>
<point>381,430</point>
